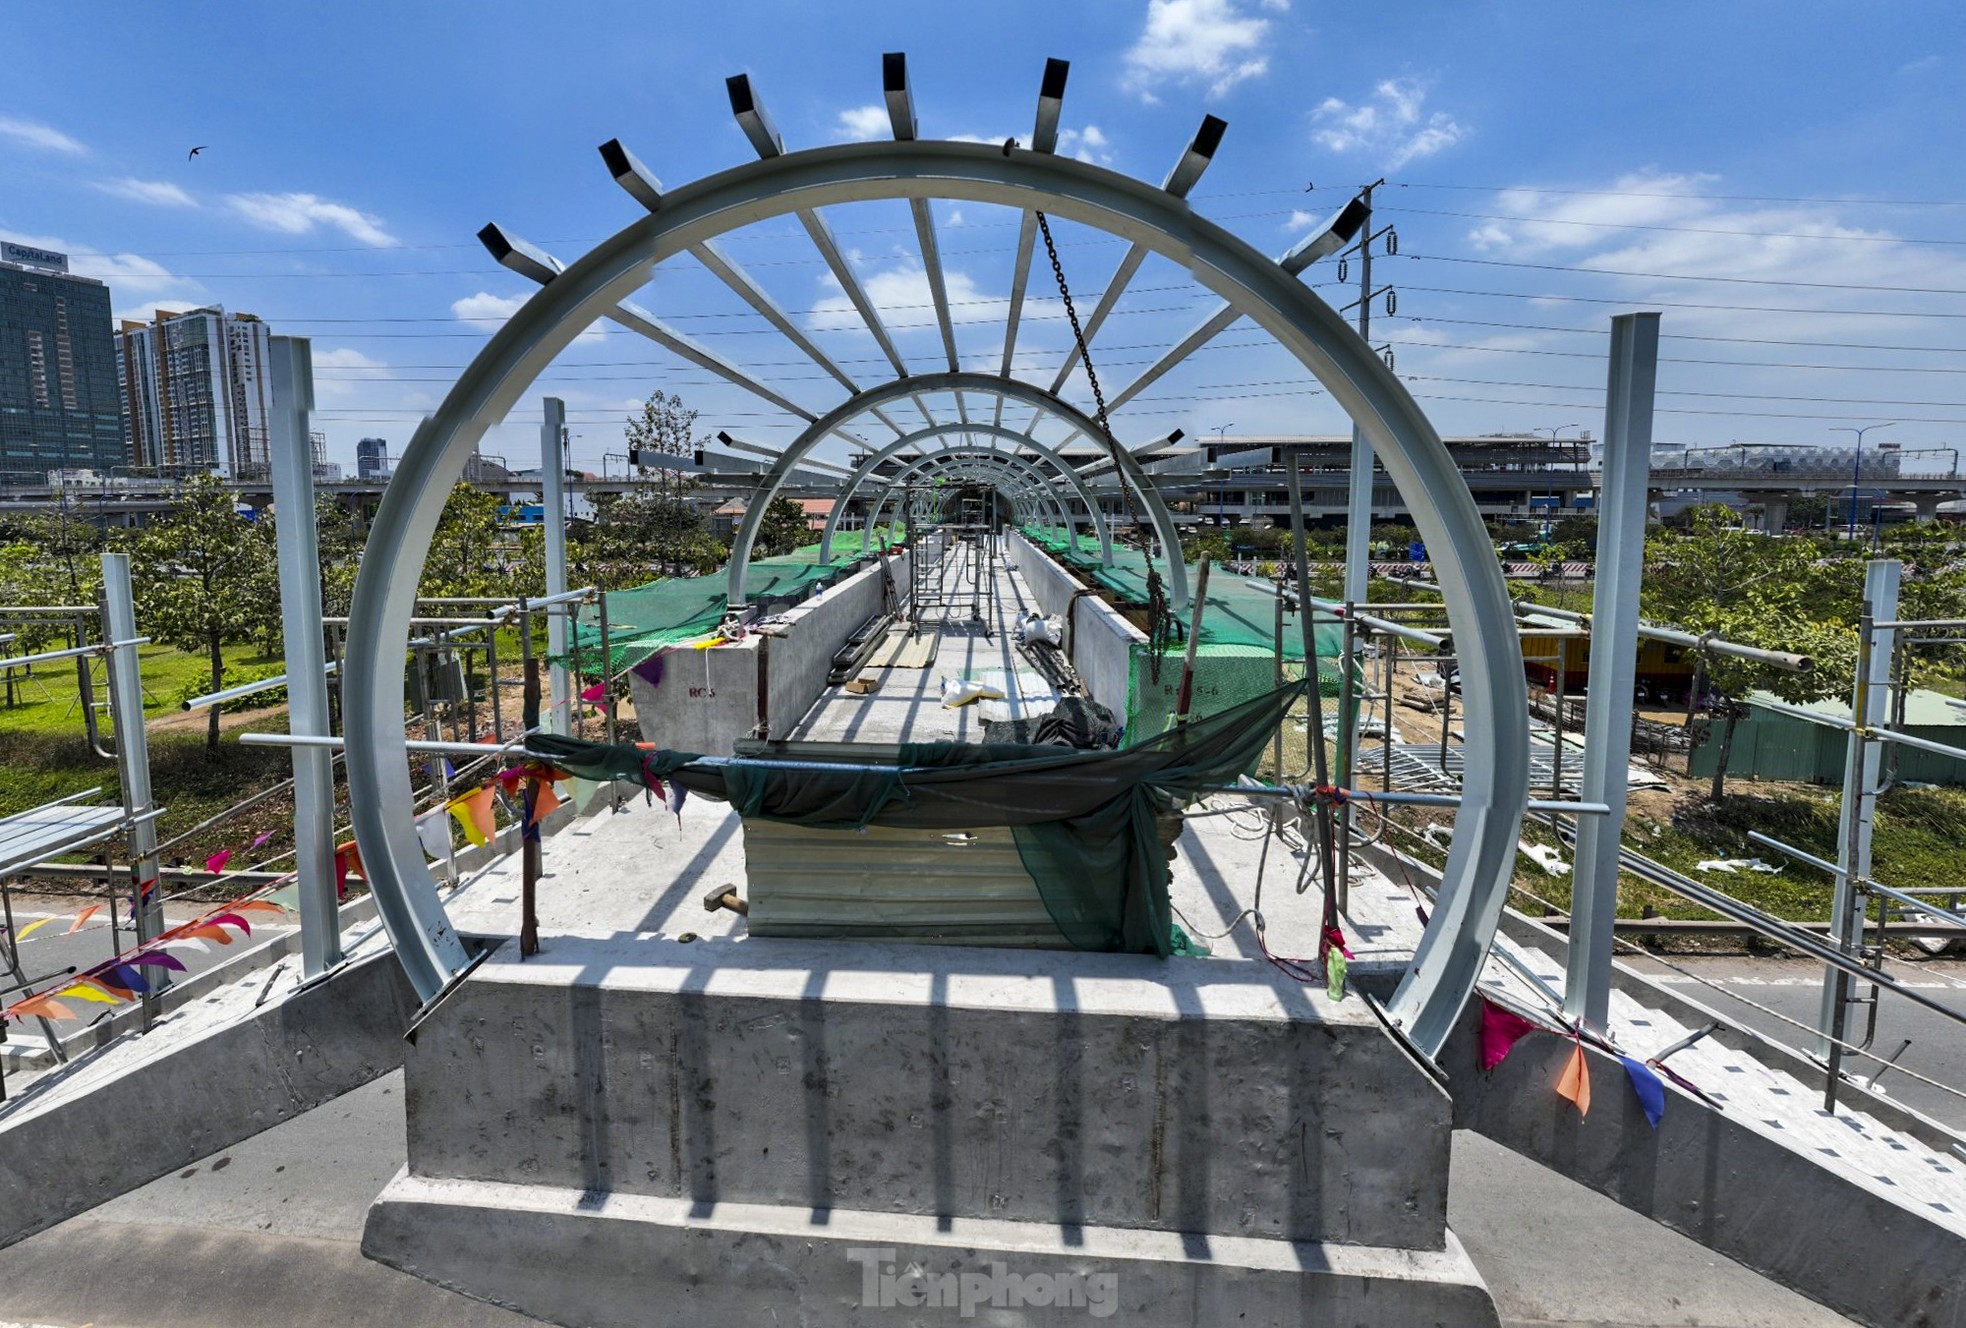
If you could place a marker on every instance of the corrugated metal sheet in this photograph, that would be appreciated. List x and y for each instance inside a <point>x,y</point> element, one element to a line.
<point>916,885</point>
<point>1781,747</point>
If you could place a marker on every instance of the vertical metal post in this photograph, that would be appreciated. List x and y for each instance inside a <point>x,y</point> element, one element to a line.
<point>553,499</point>
<point>1863,762</point>
<point>1314,697</point>
<point>1628,396</point>
<point>1562,704</point>
<point>528,846</point>
<point>306,651</point>
<point>119,623</point>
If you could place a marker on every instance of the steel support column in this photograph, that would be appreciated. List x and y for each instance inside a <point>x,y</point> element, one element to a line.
<point>1870,707</point>
<point>306,651</point>
<point>1634,374</point>
<point>119,623</point>
<point>553,499</point>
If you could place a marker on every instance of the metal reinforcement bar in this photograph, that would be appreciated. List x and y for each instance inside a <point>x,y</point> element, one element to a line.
<point>1779,659</point>
<point>440,748</point>
<point>1776,929</point>
<point>101,648</point>
<point>1850,726</point>
<point>245,689</point>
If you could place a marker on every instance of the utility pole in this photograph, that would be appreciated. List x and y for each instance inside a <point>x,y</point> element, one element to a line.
<point>1358,513</point>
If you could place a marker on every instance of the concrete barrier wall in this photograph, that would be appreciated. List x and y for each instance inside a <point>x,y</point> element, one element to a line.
<point>706,700</point>
<point>154,1110</point>
<point>1101,641</point>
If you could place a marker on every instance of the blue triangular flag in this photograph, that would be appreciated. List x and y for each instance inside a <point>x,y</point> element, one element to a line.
<point>1650,1089</point>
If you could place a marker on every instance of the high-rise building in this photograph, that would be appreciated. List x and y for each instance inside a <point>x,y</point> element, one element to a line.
<point>196,392</point>
<point>59,407</point>
<point>371,458</point>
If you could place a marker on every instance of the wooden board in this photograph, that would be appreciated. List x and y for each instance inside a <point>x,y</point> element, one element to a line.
<point>902,651</point>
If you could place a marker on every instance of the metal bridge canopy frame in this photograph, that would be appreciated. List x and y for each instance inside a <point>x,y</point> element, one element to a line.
<point>980,465</point>
<point>917,385</point>
<point>1071,476</point>
<point>1481,858</point>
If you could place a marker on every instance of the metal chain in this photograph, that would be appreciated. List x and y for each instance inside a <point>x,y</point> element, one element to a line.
<point>1160,622</point>
<point>1085,358</point>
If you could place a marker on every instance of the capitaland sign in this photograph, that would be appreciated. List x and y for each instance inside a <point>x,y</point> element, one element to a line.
<point>28,256</point>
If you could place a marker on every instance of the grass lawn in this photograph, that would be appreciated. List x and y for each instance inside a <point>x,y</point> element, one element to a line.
<point>47,700</point>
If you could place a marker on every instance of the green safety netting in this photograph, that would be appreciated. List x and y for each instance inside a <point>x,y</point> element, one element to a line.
<point>1084,821</point>
<point>676,609</point>
<point>1236,658</point>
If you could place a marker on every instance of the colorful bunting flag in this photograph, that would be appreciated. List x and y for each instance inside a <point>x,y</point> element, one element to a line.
<point>543,800</point>
<point>216,863</point>
<point>260,906</point>
<point>234,920</point>
<point>32,927</point>
<point>43,1007</point>
<point>82,918</point>
<point>260,841</point>
<point>1500,1030</point>
<point>157,959</point>
<point>85,991</point>
<point>1650,1090</point>
<point>125,977</point>
<point>673,799</point>
<point>1575,1081</point>
<point>474,816</point>
<point>593,695</point>
<point>433,832</point>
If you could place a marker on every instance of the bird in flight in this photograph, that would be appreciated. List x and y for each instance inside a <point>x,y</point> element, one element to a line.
<point>195,151</point>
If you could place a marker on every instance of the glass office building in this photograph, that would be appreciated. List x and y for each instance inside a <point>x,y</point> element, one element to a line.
<point>60,407</point>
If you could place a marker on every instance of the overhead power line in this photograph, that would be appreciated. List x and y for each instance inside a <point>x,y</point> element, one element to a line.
<point>1585,270</point>
<point>1639,193</point>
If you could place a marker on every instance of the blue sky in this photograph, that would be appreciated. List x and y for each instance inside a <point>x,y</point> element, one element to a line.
<point>1782,180</point>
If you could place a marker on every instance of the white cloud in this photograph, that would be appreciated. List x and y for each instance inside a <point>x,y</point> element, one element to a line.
<point>1087,144</point>
<point>1198,42</point>
<point>128,276</point>
<point>29,134</point>
<point>1299,219</point>
<point>341,372</point>
<point>299,214</point>
<point>488,312</point>
<point>1393,124</point>
<point>902,297</point>
<point>865,122</point>
<point>158,193</point>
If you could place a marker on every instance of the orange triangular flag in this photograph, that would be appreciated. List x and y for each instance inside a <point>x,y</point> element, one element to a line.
<point>82,918</point>
<point>544,800</point>
<point>1575,1082</point>
<point>210,933</point>
<point>260,906</point>
<point>45,1006</point>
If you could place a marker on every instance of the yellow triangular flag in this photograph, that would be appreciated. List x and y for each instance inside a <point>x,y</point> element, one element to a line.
<point>474,816</point>
<point>1575,1082</point>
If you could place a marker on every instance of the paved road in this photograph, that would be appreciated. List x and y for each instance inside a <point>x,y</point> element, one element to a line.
<point>1793,987</point>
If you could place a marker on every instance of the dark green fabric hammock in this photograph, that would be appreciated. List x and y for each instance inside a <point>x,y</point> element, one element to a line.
<point>1084,822</point>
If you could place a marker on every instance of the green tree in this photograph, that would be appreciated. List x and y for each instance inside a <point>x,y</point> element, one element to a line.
<point>198,573</point>
<point>783,529</point>
<point>665,428</point>
<point>644,533</point>
<point>474,552</point>
<point>1757,590</point>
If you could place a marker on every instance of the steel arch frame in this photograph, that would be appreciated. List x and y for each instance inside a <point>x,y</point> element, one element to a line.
<point>1012,389</point>
<point>969,464</point>
<point>1071,476</point>
<point>1449,957</point>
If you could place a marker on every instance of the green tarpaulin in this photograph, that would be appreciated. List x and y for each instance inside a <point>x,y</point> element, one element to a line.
<point>1084,822</point>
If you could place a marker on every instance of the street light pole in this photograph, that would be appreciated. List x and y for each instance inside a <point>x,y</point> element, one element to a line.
<point>1857,468</point>
<point>1222,486</point>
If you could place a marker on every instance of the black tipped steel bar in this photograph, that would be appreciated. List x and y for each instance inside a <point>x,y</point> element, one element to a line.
<point>1186,173</point>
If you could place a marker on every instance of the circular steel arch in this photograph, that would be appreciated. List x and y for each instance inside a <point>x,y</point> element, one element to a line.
<point>968,464</point>
<point>1010,389</point>
<point>1067,472</point>
<point>1480,860</point>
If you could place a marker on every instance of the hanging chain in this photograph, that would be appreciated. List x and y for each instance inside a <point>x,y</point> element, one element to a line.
<point>1161,623</point>
<point>1091,374</point>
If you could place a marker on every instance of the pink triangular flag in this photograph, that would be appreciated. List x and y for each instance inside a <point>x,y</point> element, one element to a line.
<point>216,863</point>
<point>594,694</point>
<point>260,840</point>
<point>1575,1082</point>
<point>1500,1030</point>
